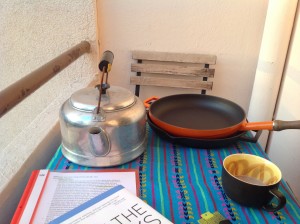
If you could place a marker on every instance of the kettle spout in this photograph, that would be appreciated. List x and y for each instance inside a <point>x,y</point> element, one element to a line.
<point>98,141</point>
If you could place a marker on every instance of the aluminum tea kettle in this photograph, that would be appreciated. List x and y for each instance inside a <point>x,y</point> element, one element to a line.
<point>103,126</point>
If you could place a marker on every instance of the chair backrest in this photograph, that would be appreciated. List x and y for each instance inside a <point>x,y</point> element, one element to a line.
<point>180,70</point>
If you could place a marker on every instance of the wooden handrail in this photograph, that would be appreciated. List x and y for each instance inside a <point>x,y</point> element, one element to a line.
<point>18,91</point>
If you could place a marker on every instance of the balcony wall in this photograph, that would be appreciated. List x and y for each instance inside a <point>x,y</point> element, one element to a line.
<point>33,33</point>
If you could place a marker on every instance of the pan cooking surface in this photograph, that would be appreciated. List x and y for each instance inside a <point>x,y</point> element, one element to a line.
<point>197,119</point>
<point>195,111</point>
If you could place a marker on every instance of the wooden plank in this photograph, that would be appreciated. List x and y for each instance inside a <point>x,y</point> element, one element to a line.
<point>173,70</point>
<point>167,82</point>
<point>175,57</point>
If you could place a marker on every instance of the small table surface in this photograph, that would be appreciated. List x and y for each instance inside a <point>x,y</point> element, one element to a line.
<point>182,183</point>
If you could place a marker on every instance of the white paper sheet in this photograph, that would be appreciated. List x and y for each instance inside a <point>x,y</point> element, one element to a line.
<point>66,190</point>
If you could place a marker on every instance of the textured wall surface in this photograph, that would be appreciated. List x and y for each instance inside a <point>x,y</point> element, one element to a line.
<point>33,33</point>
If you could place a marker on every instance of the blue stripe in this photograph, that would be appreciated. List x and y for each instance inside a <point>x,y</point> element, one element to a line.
<point>86,205</point>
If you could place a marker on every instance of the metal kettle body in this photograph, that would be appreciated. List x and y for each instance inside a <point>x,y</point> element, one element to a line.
<point>112,137</point>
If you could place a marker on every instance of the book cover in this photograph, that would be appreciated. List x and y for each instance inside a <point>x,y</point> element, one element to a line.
<point>115,206</point>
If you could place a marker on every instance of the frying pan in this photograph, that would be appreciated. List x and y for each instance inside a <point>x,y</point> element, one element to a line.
<point>204,116</point>
<point>203,143</point>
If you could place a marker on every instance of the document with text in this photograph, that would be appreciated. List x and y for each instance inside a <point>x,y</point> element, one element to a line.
<point>49,194</point>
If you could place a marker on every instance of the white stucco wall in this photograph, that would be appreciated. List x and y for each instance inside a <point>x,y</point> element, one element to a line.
<point>33,33</point>
<point>232,30</point>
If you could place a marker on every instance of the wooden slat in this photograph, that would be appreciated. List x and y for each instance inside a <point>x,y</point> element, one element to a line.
<point>173,70</point>
<point>178,83</point>
<point>175,57</point>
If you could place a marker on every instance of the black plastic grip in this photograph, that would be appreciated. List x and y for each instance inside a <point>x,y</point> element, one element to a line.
<point>283,125</point>
<point>106,61</point>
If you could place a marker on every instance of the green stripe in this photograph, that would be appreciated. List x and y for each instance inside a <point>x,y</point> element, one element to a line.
<point>293,208</point>
<point>254,215</point>
<point>254,149</point>
<point>71,167</point>
<point>157,153</point>
<point>197,180</point>
<point>54,158</point>
<point>225,154</point>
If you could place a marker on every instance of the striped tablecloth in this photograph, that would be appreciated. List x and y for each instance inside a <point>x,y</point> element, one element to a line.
<point>182,183</point>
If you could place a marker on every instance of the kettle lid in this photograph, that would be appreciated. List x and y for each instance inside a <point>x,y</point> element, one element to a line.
<point>116,98</point>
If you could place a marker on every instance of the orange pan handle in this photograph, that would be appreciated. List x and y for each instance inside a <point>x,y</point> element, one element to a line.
<point>149,101</point>
<point>255,126</point>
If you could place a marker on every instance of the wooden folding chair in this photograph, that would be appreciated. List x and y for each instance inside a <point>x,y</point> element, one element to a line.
<point>180,70</point>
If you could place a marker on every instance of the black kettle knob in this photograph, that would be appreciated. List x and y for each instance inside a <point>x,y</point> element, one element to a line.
<point>106,61</point>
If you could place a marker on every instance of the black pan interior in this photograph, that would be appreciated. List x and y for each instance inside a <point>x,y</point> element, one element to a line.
<point>195,111</point>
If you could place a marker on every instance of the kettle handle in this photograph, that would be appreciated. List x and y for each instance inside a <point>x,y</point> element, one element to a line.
<point>104,66</point>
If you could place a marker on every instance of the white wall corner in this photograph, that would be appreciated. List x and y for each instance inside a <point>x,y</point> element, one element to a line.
<point>272,57</point>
